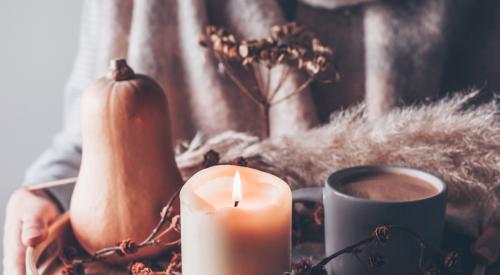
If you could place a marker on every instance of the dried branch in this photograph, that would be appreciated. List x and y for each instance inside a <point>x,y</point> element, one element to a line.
<point>288,45</point>
<point>380,235</point>
<point>294,93</point>
<point>129,247</point>
<point>282,79</point>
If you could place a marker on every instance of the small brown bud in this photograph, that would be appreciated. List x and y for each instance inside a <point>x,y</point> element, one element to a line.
<point>264,54</point>
<point>210,29</point>
<point>382,234</point>
<point>240,161</point>
<point>218,46</point>
<point>243,50</point>
<point>233,52</point>
<point>127,247</point>
<point>77,269</point>
<point>248,60</point>
<point>210,158</point>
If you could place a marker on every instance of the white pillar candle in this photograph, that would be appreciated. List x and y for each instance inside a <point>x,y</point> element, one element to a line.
<point>235,221</point>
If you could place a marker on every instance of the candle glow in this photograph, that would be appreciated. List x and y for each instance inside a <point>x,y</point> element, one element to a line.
<point>237,188</point>
<point>221,235</point>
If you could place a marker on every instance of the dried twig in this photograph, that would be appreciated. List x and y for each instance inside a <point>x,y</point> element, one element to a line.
<point>129,247</point>
<point>380,235</point>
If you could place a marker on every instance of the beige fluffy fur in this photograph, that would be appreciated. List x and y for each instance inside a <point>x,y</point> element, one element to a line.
<point>460,146</point>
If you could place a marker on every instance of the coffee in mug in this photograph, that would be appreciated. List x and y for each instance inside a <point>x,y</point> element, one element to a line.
<point>384,186</point>
<point>359,199</point>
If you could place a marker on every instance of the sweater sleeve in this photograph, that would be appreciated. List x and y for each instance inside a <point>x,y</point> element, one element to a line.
<point>62,158</point>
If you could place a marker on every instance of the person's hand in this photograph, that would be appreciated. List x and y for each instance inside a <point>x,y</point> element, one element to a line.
<point>487,248</point>
<point>29,213</point>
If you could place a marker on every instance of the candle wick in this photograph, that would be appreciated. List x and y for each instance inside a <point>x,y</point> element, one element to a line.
<point>236,203</point>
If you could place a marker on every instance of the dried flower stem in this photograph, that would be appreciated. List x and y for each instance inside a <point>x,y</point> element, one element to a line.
<point>268,80</point>
<point>300,89</point>
<point>348,249</point>
<point>380,235</point>
<point>236,81</point>
<point>287,45</point>
<point>163,218</point>
<point>152,240</point>
<point>282,79</point>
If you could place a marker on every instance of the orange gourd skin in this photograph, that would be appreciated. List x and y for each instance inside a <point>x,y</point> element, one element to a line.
<point>128,170</point>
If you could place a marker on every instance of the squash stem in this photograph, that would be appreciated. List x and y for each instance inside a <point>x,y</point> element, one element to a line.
<point>119,70</point>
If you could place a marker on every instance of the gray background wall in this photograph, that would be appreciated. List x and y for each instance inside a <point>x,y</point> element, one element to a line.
<point>38,42</point>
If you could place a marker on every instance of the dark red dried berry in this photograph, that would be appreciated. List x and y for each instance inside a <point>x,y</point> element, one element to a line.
<point>76,269</point>
<point>302,267</point>
<point>382,234</point>
<point>210,158</point>
<point>240,161</point>
<point>127,247</point>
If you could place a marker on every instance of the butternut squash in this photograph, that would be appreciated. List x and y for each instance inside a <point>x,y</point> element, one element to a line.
<point>128,170</point>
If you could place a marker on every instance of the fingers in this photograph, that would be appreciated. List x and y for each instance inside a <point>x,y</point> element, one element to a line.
<point>487,247</point>
<point>14,250</point>
<point>27,219</point>
<point>35,217</point>
<point>34,231</point>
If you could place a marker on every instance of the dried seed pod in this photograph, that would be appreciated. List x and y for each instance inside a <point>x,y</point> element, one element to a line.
<point>218,46</point>
<point>210,158</point>
<point>302,267</point>
<point>240,161</point>
<point>232,52</point>
<point>127,247</point>
<point>264,54</point>
<point>243,50</point>
<point>382,234</point>
<point>77,269</point>
<point>210,29</point>
<point>311,67</point>
<point>214,37</point>
<point>248,60</point>
<point>231,38</point>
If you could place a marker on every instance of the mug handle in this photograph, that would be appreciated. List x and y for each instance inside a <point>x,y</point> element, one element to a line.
<point>313,194</point>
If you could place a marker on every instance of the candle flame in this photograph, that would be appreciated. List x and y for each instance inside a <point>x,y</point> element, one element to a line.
<point>237,188</point>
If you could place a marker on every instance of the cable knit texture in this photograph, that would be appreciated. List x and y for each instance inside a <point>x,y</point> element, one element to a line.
<point>460,146</point>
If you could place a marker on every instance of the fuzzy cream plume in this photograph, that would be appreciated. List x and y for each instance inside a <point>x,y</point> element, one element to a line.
<point>460,145</point>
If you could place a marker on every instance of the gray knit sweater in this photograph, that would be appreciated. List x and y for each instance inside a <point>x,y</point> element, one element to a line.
<point>387,52</point>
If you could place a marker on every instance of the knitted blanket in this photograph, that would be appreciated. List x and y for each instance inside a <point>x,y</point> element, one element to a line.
<point>461,146</point>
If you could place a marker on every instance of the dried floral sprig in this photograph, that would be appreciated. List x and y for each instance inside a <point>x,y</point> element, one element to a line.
<point>76,269</point>
<point>304,266</point>
<point>381,235</point>
<point>287,44</point>
<point>174,266</point>
<point>211,158</point>
<point>129,247</point>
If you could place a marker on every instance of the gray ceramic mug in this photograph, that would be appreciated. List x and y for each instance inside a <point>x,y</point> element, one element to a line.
<point>350,219</point>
